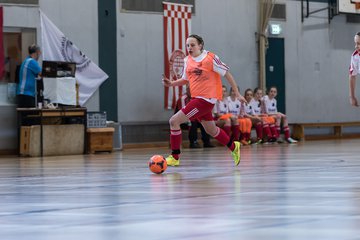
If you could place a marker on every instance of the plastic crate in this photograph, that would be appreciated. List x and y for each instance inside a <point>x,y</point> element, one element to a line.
<point>96,119</point>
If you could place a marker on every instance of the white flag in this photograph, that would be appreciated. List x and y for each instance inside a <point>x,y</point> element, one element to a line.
<point>57,47</point>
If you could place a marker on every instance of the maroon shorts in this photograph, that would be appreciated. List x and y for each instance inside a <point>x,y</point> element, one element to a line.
<point>198,109</point>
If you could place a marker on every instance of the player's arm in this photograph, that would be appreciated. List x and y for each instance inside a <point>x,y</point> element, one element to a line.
<point>352,85</point>
<point>263,107</point>
<point>257,117</point>
<point>251,114</point>
<point>35,68</point>
<point>222,69</point>
<point>232,83</point>
<point>168,83</point>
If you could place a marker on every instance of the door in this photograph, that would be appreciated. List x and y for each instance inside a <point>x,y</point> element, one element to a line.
<point>275,70</point>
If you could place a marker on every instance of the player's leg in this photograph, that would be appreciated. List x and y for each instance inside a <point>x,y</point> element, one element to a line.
<point>259,129</point>
<point>272,120</point>
<point>286,129</point>
<point>194,110</point>
<point>266,127</point>
<point>223,138</point>
<point>205,137</point>
<point>175,137</point>
<point>227,126</point>
<point>248,130</point>
<point>235,128</point>
<point>242,127</point>
<point>278,124</point>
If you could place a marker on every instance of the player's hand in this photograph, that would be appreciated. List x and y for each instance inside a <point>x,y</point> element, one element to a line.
<point>166,82</point>
<point>281,114</point>
<point>354,102</point>
<point>233,118</point>
<point>242,99</point>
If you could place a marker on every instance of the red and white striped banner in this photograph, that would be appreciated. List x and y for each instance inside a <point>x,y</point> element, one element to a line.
<point>177,27</point>
<point>2,54</point>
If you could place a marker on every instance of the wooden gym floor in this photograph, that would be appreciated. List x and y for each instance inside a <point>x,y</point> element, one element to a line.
<point>305,191</point>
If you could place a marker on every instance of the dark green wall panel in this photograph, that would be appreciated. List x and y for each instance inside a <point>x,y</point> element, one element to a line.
<point>108,57</point>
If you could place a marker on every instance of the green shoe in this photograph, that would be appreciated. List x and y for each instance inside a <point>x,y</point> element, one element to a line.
<point>236,153</point>
<point>171,161</point>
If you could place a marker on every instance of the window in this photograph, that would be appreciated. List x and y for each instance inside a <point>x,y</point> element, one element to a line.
<point>279,12</point>
<point>27,2</point>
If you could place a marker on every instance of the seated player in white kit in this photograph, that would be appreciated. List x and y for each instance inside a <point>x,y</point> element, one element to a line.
<point>259,110</point>
<point>221,112</point>
<point>234,109</point>
<point>256,120</point>
<point>271,109</point>
<point>354,70</point>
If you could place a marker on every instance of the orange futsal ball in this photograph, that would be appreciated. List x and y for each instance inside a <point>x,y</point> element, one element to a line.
<point>157,164</point>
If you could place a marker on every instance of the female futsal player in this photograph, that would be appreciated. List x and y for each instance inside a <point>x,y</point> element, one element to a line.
<point>203,71</point>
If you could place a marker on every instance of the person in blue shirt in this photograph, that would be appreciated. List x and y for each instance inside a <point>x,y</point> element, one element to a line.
<point>29,71</point>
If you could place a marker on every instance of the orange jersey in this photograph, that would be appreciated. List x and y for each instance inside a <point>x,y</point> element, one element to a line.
<point>203,80</point>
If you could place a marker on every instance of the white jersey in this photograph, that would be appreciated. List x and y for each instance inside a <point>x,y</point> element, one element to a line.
<point>248,109</point>
<point>234,106</point>
<point>270,105</point>
<point>256,107</point>
<point>354,68</point>
<point>245,109</point>
<point>221,107</point>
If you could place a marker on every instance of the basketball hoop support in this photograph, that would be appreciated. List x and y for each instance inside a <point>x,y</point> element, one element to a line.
<point>332,6</point>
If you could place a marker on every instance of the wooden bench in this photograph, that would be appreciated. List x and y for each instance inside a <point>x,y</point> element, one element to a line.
<point>337,130</point>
